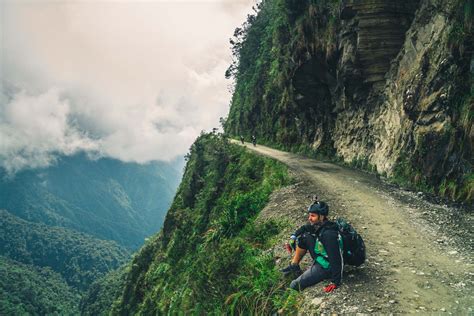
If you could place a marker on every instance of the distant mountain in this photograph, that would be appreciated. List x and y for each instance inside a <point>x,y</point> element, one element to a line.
<point>78,258</point>
<point>106,198</point>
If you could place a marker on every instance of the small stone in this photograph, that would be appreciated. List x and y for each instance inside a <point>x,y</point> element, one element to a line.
<point>352,309</point>
<point>443,309</point>
<point>392,301</point>
<point>317,301</point>
<point>422,308</point>
<point>452,252</point>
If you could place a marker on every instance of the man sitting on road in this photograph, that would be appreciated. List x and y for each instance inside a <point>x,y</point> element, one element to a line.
<point>320,237</point>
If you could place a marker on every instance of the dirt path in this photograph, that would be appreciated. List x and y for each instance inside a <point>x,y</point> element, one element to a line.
<point>420,255</point>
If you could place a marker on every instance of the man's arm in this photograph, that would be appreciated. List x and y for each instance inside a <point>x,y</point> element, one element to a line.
<point>303,229</point>
<point>329,239</point>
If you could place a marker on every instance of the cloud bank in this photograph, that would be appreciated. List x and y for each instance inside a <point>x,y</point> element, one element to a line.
<point>136,81</point>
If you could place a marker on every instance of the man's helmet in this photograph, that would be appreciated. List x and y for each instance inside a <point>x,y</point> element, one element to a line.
<point>320,208</point>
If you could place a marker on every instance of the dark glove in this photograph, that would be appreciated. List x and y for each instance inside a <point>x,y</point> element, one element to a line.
<point>330,288</point>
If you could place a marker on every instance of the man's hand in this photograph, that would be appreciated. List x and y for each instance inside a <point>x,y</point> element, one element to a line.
<point>330,288</point>
<point>292,242</point>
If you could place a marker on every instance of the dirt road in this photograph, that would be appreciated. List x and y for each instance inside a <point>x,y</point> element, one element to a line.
<point>420,255</point>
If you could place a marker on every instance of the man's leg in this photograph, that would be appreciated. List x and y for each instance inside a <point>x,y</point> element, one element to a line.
<point>299,254</point>
<point>295,262</point>
<point>300,251</point>
<point>310,277</point>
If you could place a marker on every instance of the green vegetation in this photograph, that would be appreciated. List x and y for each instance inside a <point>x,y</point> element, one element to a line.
<point>102,293</point>
<point>463,27</point>
<point>78,258</point>
<point>408,176</point>
<point>49,253</point>
<point>28,290</point>
<point>210,256</point>
<point>285,57</point>
<point>269,49</point>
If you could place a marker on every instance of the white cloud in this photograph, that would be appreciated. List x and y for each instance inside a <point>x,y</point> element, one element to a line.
<point>133,80</point>
<point>34,129</point>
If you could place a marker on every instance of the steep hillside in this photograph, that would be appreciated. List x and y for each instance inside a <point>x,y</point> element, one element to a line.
<point>99,298</point>
<point>106,198</point>
<point>221,247</point>
<point>79,259</point>
<point>382,85</point>
<point>208,256</point>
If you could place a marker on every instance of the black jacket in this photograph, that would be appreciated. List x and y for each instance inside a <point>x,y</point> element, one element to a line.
<point>328,235</point>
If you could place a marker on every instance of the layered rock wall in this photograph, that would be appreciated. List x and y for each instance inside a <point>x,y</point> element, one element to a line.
<point>411,116</point>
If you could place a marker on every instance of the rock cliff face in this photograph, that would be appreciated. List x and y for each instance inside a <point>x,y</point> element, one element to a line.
<point>410,121</point>
<point>385,85</point>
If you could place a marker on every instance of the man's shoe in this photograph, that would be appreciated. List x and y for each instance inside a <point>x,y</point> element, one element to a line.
<point>292,268</point>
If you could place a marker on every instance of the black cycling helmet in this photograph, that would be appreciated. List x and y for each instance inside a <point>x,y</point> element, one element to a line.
<point>320,208</point>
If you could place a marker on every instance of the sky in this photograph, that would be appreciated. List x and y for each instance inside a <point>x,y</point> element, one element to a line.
<point>132,80</point>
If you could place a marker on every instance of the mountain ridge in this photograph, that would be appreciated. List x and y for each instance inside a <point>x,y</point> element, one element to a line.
<point>105,198</point>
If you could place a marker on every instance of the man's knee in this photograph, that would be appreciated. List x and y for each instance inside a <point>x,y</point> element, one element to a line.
<point>295,285</point>
<point>302,241</point>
